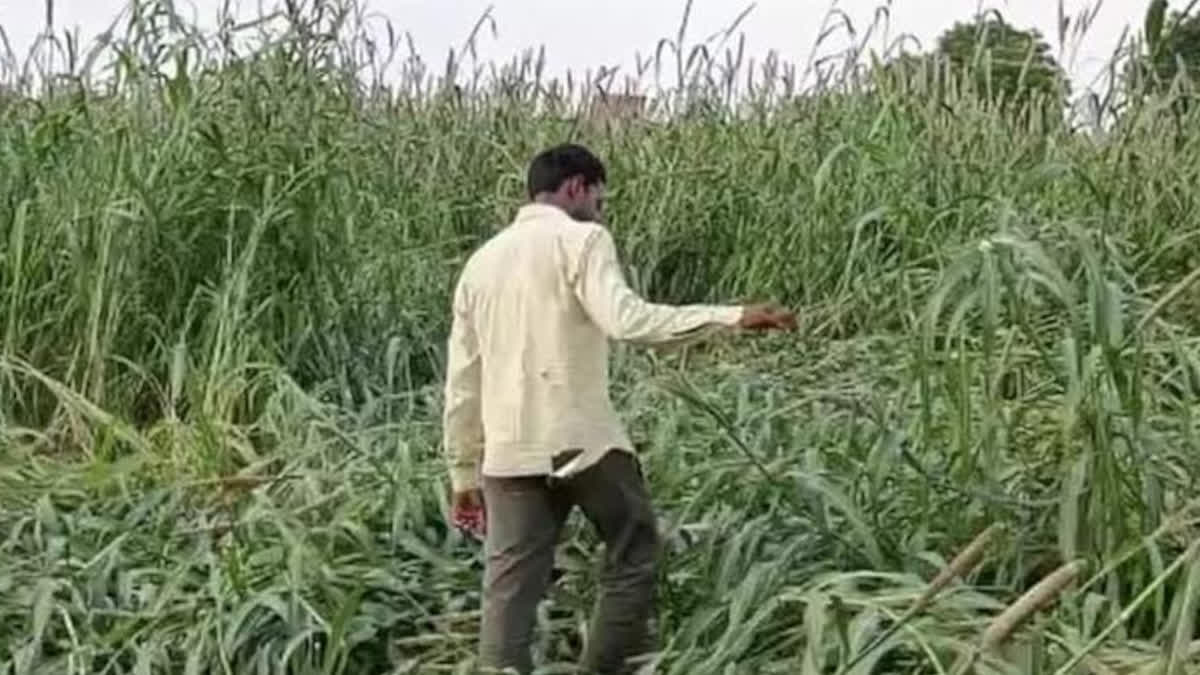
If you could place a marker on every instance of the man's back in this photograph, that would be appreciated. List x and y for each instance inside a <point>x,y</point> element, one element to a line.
<point>543,360</point>
<point>527,366</point>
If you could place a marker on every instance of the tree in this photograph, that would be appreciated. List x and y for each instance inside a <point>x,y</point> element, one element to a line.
<point>1172,48</point>
<point>989,58</point>
<point>1004,63</point>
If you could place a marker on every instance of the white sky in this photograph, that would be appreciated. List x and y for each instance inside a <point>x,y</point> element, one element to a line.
<point>581,35</point>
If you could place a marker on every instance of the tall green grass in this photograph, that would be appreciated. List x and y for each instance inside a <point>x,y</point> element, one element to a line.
<point>224,267</point>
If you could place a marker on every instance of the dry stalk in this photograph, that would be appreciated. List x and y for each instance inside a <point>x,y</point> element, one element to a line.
<point>960,566</point>
<point>1034,599</point>
<point>1016,614</point>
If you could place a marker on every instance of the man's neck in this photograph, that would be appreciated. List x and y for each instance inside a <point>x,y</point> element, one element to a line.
<point>548,200</point>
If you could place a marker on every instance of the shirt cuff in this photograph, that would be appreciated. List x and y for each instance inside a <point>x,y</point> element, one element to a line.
<point>463,479</point>
<point>729,316</point>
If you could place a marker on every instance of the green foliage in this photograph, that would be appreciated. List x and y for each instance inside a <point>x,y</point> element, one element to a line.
<point>1007,63</point>
<point>224,274</point>
<point>992,60</point>
<point>1172,49</point>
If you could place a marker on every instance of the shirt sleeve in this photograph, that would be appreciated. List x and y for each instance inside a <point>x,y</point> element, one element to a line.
<point>462,424</point>
<point>623,315</point>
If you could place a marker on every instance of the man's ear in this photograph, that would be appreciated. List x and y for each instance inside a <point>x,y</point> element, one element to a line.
<point>574,186</point>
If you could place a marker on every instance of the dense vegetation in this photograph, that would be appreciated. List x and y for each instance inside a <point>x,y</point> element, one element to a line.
<point>224,274</point>
<point>1172,49</point>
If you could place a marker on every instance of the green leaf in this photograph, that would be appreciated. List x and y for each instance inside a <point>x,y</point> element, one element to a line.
<point>1155,15</point>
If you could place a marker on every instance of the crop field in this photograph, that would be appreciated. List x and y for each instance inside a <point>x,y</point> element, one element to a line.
<point>225,274</point>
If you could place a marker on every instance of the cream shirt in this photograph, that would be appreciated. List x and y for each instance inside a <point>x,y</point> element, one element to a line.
<point>527,357</point>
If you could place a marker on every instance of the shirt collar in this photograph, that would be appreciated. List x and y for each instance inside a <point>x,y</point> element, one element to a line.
<point>535,210</point>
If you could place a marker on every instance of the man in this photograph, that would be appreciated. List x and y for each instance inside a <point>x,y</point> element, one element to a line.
<point>530,431</point>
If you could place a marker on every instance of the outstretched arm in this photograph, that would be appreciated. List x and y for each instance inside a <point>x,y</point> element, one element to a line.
<point>623,315</point>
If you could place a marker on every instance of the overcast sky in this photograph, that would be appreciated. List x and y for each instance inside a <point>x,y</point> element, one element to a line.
<point>582,35</point>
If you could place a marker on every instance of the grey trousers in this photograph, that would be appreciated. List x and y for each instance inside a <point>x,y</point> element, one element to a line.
<point>525,517</point>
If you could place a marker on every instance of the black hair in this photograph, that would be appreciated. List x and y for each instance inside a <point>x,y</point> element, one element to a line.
<point>552,167</point>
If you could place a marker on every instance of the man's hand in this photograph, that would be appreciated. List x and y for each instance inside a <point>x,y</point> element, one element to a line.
<point>467,512</point>
<point>767,317</point>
